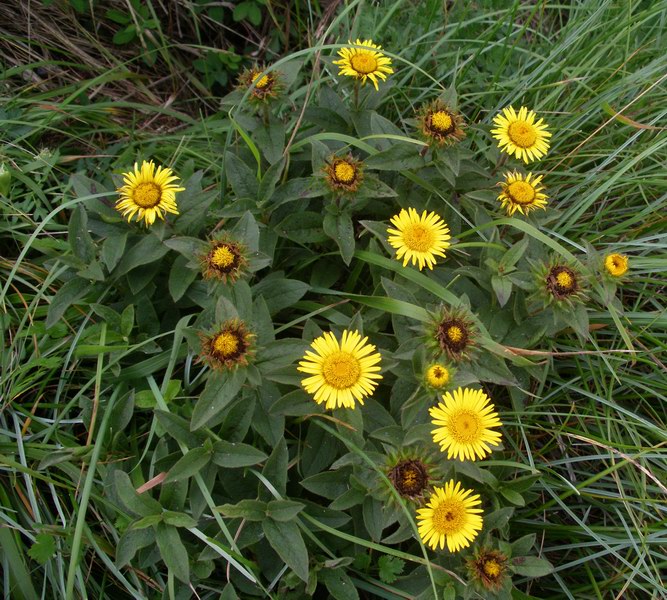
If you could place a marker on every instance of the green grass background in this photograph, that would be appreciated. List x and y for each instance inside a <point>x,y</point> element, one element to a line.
<point>596,424</point>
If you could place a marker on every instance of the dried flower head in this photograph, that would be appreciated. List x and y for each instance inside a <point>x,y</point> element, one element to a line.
<point>441,125</point>
<point>344,174</point>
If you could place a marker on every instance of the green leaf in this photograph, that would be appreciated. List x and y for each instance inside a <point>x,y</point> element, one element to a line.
<point>502,286</point>
<point>284,510</point>
<point>131,542</point>
<point>127,320</point>
<point>146,522</point>
<point>178,428</point>
<point>340,229</point>
<point>268,184</point>
<point>148,250</point>
<point>338,584</point>
<point>188,247</point>
<point>523,545</point>
<point>329,484</point>
<point>297,189</point>
<point>280,293</point>
<point>178,519</point>
<point>302,227</point>
<point>70,293</point>
<point>241,177</point>
<point>180,278</point>
<point>43,548</point>
<point>125,36</point>
<point>531,566</point>
<point>173,551</point>
<point>390,567</point>
<point>233,455</point>
<point>513,497</point>
<point>191,463</point>
<point>252,510</point>
<point>271,140</point>
<point>79,239</point>
<point>220,390</point>
<point>113,248</point>
<point>139,504</point>
<point>285,539</point>
<point>498,518</point>
<point>397,158</point>
<point>513,255</point>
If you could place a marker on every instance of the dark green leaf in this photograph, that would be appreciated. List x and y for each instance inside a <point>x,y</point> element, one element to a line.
<point>113,248</point>
<point>79,239</point>
<point>271,140</point>
<point>173,552</point>
<point>130,542</point>
<point>148,250</point>
<point>531,566</point>
<point>502,286</point>
<point>397,158</point>
<point>241,177</point>
<point>338,584</point>
<point>70,293</point>
<point>178,428</point>
<point>340,229</point>
<point>286,540</point>
<point>233,455</point>
<point>191,463</point>
<point>302,227</point>
<point>139,504</point>
<point>220,390</point>
<point>280,293</point>
<point>283,510</point>
<point>180,278</point>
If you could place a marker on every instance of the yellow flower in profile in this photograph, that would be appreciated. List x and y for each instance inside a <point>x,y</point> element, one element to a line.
<point>148,193</point>
<point>465,423</point>
<point>519,134</point>
<point>364,63</point>
<point>616,264</point>
<point>418,239</point>
<point>341,373</point>
<point>437,376</point>
<point>451,516</point>
<point>521,193</point>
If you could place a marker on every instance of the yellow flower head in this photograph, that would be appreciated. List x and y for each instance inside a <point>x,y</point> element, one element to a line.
<point>562,282</point>
<point>364,63</point>
<point>341,372</point>
<point>616,264</point>
<point>521,193</point>
<point>437,376</point>
<point>266,87</point>
<point>344,175</point>
<point>440,124</point>
<point>228,347</point>
<point>488,569</point>
<point>519,134</point>
<point>225,260</point>
<point>451,516</point>
<point>453,334</point>
<point>147,193</point>
<point>465,423</point>
<point>418,239</point>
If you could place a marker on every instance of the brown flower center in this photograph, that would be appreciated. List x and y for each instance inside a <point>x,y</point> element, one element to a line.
<point>410,478</point>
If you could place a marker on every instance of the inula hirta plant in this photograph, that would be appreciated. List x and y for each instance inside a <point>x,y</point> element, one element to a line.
<point>148,193</point>
<point>520,135</point>
<point>364,61</point>
<point>451,517</point>
<point>418,239</point>
<point>341,373</point>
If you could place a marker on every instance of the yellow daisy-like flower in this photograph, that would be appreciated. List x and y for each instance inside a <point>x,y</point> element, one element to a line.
<point>451,516</point>
<point>440,124</point>
<point>562,282</point>
<point>148,193</point>
<point>616,264</point>
<point>364,63</point>
<point>465,424</point>
<point>437,376</point>
<point>419,239</point>
<point>519,134</point>
<point>522,193</point>
<point>341,373</point>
